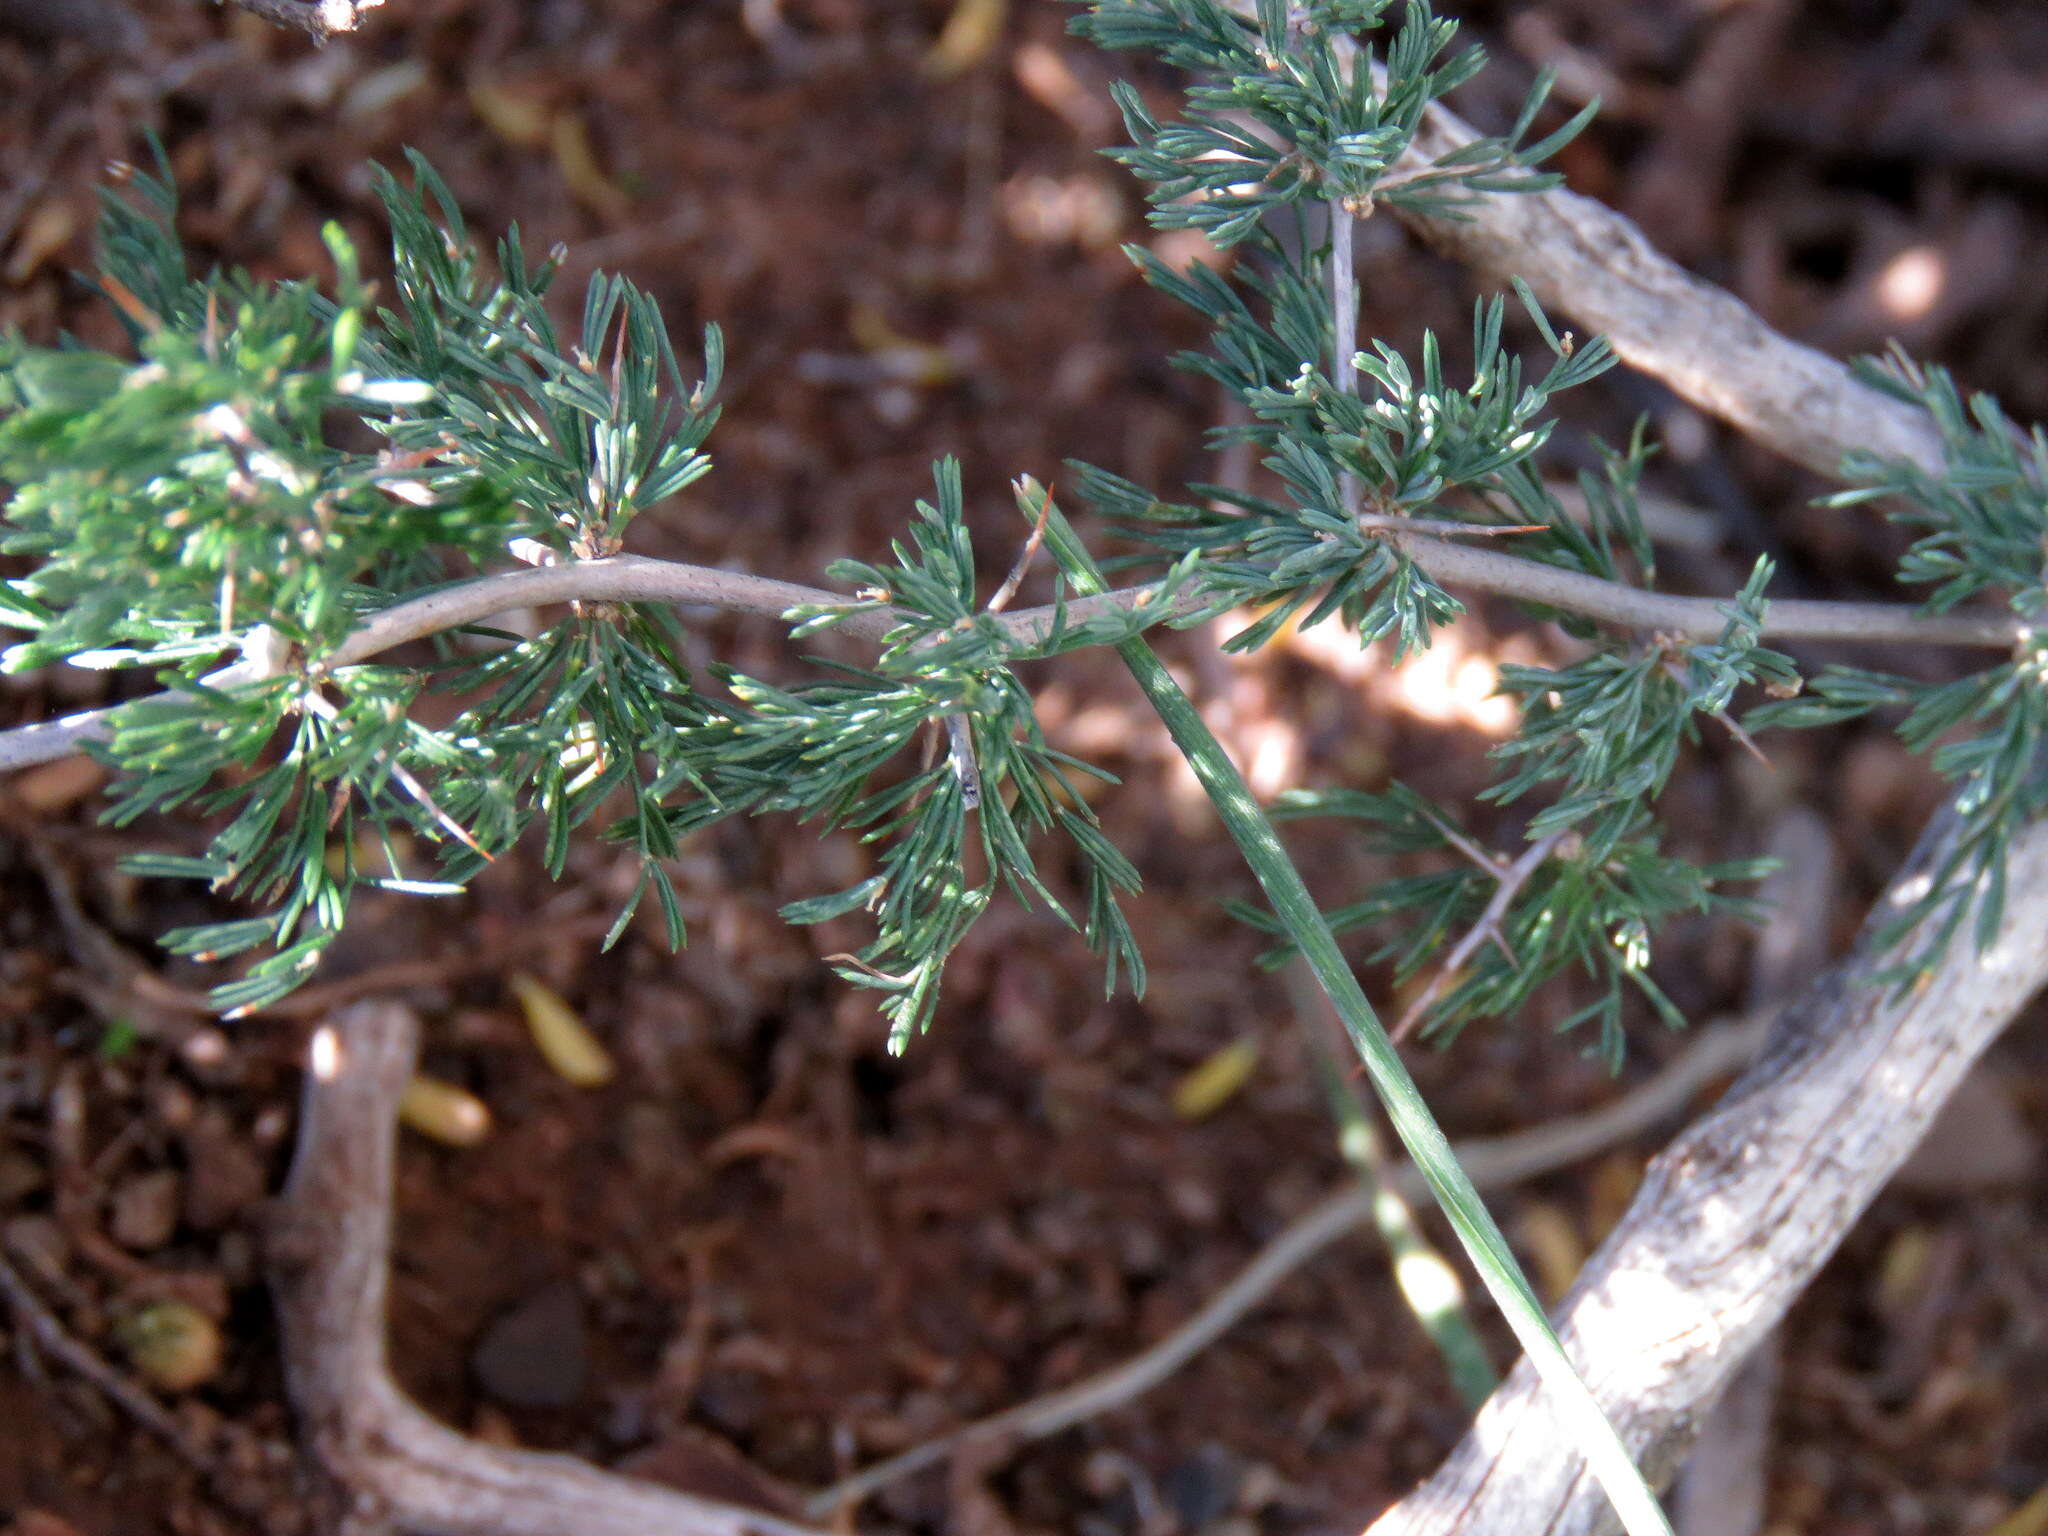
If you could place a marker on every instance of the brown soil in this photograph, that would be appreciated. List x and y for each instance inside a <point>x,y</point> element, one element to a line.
<point>781,1252</point>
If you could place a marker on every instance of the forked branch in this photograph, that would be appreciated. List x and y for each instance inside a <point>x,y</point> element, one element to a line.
<point>1594,264</point>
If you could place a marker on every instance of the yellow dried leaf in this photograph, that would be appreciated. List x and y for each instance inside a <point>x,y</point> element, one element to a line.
<point>1050,80</point>
<point>1902,1272</point>
<point>520,118</point>
<point>2030,1519</point>
<point>46,231</point>
<point>577,161</point>
<point>442,1112</point>
<point>1556,1252</point>
<point>1616,1178</point>
<point>903,357</point>
<point>1216,1081</point>
<point>563,1038</point>
<point>968,37</point>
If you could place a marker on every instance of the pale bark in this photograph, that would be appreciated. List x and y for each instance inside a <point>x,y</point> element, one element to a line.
<point>1741,1211</point>
<point>1595,265</point>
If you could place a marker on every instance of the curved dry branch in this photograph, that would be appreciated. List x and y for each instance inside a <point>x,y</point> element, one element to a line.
<point>636,578</point>
<point>1494,1162</point>
<point>618,579</point>
<point>1740,1212</point>
<point>1583,258</point>
<point>393,1468</point>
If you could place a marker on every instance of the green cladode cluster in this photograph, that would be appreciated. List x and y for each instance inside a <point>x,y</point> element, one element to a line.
<point>275,462</point>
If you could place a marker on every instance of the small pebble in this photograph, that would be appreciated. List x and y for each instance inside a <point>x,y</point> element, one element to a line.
<point>172,1106</point>
<point>535,1355</point>
<point>172,1344</point>
<point>224,1177</point>
<point>145,1208</point>
<point>20,1177</point>
<point>1194,1202</point>
<point>1202,1487</point>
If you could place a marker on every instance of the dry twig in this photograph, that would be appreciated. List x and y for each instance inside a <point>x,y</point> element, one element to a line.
<point>1722,1491</point>
<point>42,1325</point>
<point>1585,259</point>
<point>318,19</point>
<point>38,1323</point>
<point>1594,264</point>
<point>1508,879</point>
<point>1493,1163</point>
<point>393,1468</point>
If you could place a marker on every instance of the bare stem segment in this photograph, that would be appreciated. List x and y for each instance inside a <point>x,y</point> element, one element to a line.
<point>635,578</point>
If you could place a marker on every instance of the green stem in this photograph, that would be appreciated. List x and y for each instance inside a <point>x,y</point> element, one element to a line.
<point>1303,920</point>
<point>1426,1281</point>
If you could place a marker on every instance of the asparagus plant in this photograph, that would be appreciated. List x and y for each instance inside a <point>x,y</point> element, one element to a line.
<point>296,510</point>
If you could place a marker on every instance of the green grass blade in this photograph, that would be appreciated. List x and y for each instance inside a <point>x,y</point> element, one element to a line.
<point>1246,822</point>
<point>1427,1283</point>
